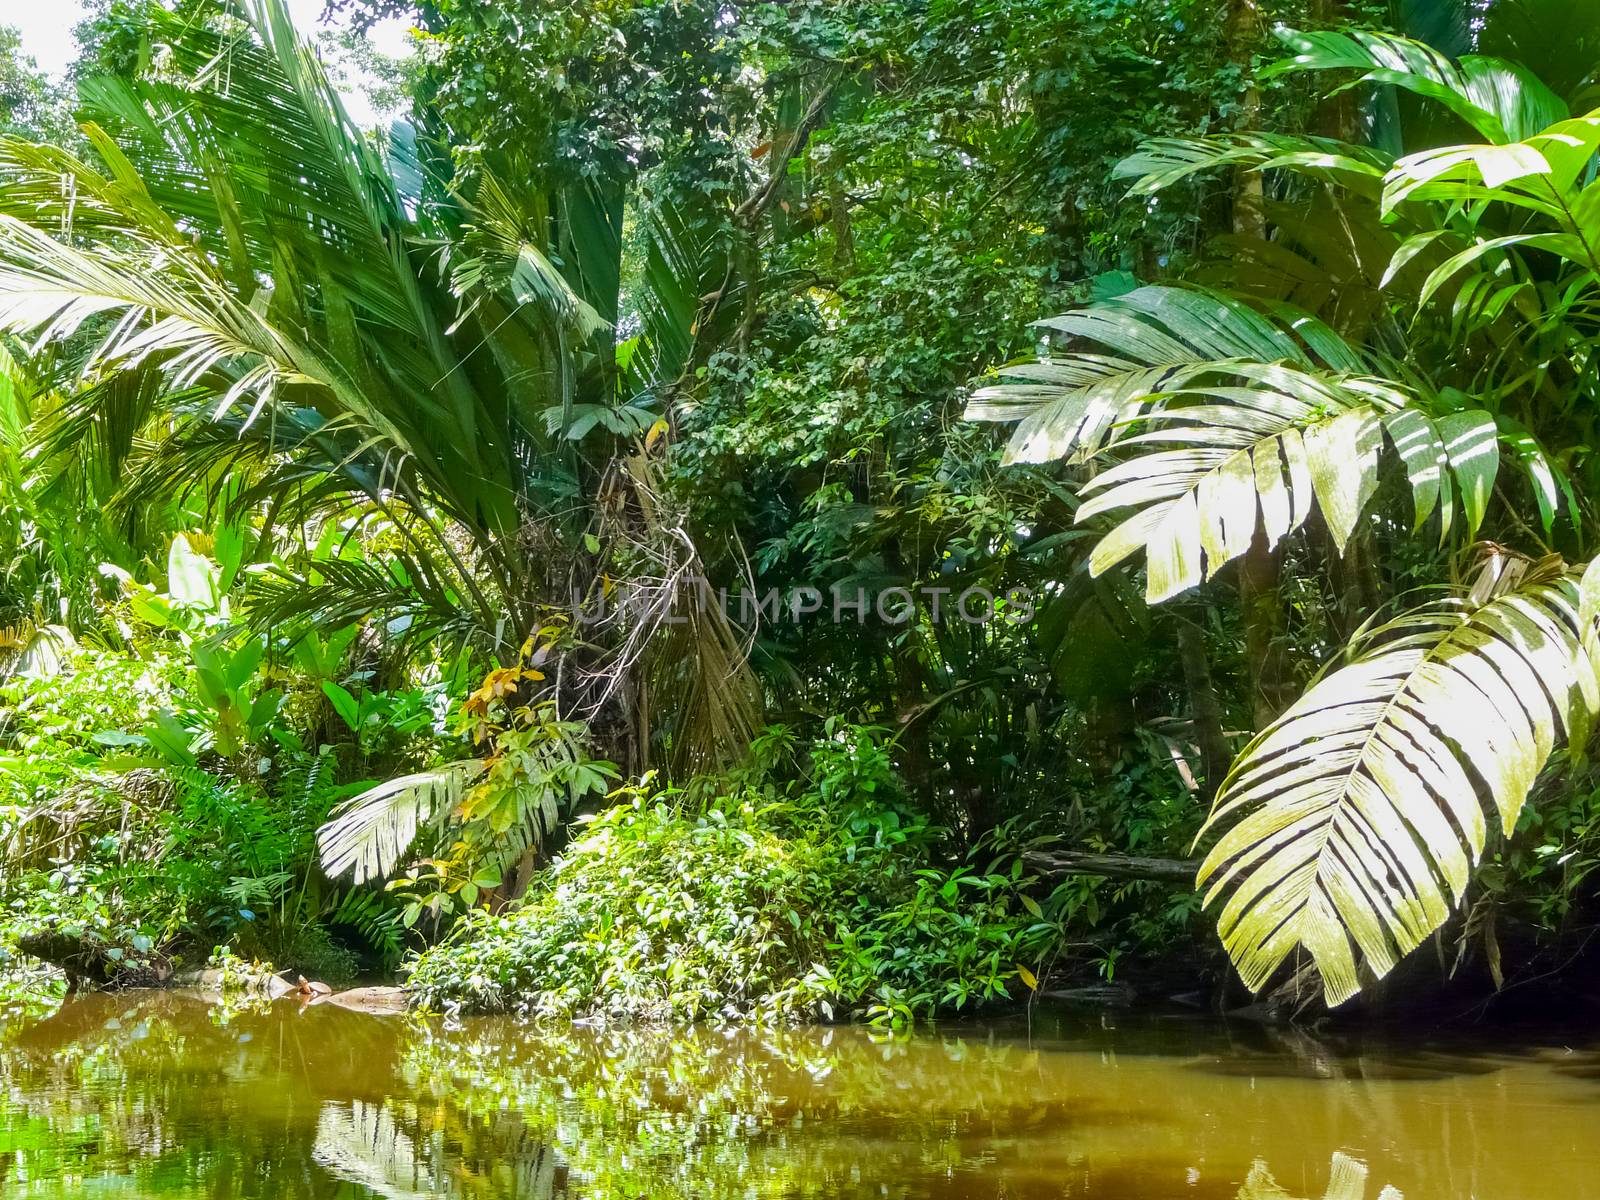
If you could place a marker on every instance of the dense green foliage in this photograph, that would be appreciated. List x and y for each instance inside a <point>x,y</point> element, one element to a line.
<point>754,905</point>
<point>149,862</point>
<point>370,500</point>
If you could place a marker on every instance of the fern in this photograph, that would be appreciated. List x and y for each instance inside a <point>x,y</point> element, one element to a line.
<point>378,922</point>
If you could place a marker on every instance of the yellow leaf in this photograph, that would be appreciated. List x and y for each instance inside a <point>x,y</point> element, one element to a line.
<point>1028,977</point>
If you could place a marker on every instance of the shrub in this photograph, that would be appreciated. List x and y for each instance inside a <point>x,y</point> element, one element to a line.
<point>745,906</point>
<point>653,914</point>
<point>142,862</point>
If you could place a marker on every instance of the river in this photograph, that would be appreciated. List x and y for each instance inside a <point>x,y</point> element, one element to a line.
<point>175,1095</point>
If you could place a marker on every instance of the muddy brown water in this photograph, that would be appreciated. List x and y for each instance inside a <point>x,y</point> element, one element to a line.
<point>172,1095</point>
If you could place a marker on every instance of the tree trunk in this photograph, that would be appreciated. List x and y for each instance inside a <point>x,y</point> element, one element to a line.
<point>1249,212</point>
<point>1265,622</point>
<point>1204,707</point>
<point>1337,113</point>
<point>1352,578</point>
<point>911,690</point>
<point>844,242</point>
<point>1259,595</point>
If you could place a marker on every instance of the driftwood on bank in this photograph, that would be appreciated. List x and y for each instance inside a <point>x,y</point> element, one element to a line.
<point>1052,864</point>
<point>84,962</point>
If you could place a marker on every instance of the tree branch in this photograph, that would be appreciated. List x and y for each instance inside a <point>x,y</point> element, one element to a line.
<point>748,212</point>
<point>1053,864</point>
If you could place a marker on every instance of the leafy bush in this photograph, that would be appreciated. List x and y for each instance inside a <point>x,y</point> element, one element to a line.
<point>96,693</point>
<point>652,914</point>
<point>752,905</point>
<point>72,824</point>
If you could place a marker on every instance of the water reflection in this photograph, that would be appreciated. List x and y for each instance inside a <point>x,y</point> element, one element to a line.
<point>1347,1180</point>
<point>169,1095</point>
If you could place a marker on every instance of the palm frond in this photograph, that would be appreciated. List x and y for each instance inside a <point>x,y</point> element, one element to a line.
<point>1269,421</point>
<point>182,315</point>
<point>1536,173</point>
<point>420,598</point>
<point>1159,339</point>
<point>500,252</point>
<point>688,298</point>
<point>368,834</point>
<point>1162,162</point>
<point>37,650</point>
<point>1263,455</point>
<point>1353,821</point>
<point>1503,102</point>
<point>308,348</point>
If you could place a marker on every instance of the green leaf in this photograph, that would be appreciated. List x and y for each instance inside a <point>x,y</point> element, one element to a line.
<point>1352,821</point>
<point>1422,454</point>
<point>1502,101</point>
<point>172,739</point>
<point>1342,458</point>
<point>1547,483</point>
<point>344,704</point>
<point>367,834</point>
<point>264,710</point>
<point>239,667</point>
<point>1262,457</point>
<point>1569,247</point>
<point>116,737</point>
<point>1472,442</point>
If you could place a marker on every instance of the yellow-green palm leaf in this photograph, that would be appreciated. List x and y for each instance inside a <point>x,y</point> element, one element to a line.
<point>1156,340</point>
<point>1353,822</point>
<point>370,833</point>
<point>1262,454</point>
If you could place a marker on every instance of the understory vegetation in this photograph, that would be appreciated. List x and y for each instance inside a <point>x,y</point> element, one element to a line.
<point>755,905</point>
<point>803,510</point>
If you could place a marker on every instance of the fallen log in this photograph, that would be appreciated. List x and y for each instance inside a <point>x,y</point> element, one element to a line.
<point>1052,864</point>
<point>83,961</point>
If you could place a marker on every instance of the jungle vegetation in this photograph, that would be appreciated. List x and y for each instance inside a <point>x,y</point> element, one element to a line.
<point>371,500</point>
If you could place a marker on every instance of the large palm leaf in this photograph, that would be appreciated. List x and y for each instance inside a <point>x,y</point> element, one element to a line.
<point>306,334</point>
<point>340,324</point>
<point>369,834</point>
<point>1502,101</point>
<point>1353,821</point>
<point>1162,162</point>
<point>1156,339</point>
<point>1550,174</point>
<point>1228,423</point>
<point>1260,457</point>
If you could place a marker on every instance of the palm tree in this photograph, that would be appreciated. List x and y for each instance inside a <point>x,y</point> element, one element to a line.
<point>1216,419</point>
<point>261,305</point>
<point>314,329</point>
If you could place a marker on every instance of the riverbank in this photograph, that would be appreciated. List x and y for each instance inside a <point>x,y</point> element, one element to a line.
<point>1556,989</point>
<point>740,908</point>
